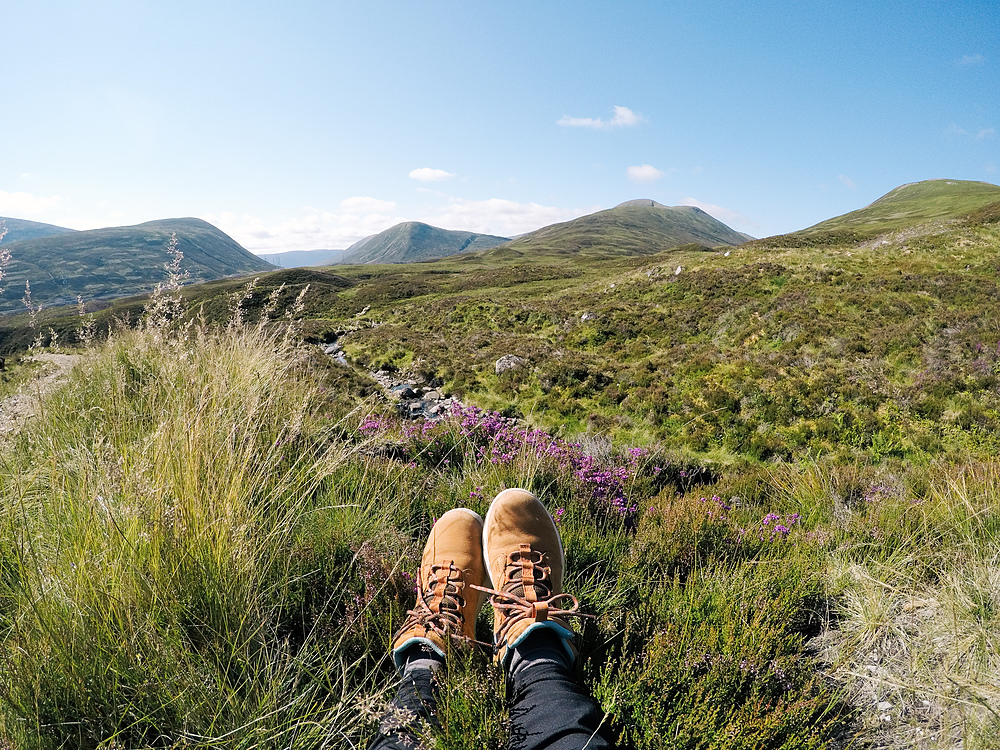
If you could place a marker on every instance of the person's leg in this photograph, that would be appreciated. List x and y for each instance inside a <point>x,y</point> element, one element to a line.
<point>549,709</point>
<point>533,639</point>
<point>445,611</point>
<point>410,714</point>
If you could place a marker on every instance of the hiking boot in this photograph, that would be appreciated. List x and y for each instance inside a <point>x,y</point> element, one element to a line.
<point>446,606</point>
<point>524,558</point>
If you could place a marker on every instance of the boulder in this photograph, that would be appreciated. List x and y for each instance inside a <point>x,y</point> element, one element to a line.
<point>510,362</point>
<point>402,391</point>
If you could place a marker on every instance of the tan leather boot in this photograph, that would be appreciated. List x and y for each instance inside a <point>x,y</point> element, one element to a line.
<point>524,558</point>
<point>446,606</point>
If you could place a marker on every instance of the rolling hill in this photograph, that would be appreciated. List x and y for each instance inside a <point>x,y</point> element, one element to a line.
<point>637,227</point>
<point>118,261</point>
<point>21,229</point>
<point>413,241</point>
<point>911,204</point>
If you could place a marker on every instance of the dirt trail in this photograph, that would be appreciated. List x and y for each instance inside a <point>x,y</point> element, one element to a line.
<point>19,407</point>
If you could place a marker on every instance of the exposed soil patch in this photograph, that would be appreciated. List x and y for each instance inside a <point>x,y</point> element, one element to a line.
<point>19,407</point>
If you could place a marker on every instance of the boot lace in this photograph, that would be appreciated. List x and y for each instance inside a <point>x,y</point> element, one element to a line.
<point>524,570</point>
<point>439,604</point>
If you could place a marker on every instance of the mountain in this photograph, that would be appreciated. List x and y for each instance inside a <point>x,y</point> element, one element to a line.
<point>304,258</point>
<point>637,227</point>
<point>413,241</point>
<point>914,203</point>
<point>118,261</point>
<point>21,229</point>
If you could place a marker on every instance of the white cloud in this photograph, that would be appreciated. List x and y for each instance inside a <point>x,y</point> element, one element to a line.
<point>726,215</point>
<point>580,122</point>
<point>954,130</point>
<point>970,61</point>
<point>19,205</point>
<point>644,174</point>
<point>428,174</point>
<point>358,218</point>
<point>499,216</point>
<point>623,117</point>
<point>314,229</point>
<point>847,181</point>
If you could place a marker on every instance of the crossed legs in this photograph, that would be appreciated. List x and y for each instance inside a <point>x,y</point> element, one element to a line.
<point>520,568</point>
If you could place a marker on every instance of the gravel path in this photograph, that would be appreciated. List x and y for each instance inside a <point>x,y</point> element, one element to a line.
<point>19,407</point>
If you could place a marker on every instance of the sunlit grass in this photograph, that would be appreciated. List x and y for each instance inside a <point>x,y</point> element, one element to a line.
<point>206,543</point>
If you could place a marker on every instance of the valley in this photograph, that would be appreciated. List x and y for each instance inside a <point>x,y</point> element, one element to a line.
<point>772,463</point>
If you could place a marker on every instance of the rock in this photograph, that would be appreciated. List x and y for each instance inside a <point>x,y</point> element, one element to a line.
<point>510,362</point>
<point>433,395</point>
<point>884,706</point>
<point>331,349</point>
<point>588,316</point>
<point>403,392</point>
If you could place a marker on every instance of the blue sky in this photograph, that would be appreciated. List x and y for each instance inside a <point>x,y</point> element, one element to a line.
<point>310,124</point>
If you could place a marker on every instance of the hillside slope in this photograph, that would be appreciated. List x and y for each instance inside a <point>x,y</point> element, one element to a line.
<point>914,203</point>
<point>638,227</point>
<point>118,261</point>
<point>414,241</point>
<point>22,229</point>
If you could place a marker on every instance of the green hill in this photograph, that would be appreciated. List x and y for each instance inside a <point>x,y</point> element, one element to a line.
<point>118,261</point>
<point>911,204</point>
<point>21,229</point>
<point>639,227</point>
<point>413,241</point>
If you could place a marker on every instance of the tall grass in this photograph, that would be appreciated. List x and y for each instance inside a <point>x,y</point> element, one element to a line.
<point>163,580</point>
<point>918,613</point>
<point>206,542</point>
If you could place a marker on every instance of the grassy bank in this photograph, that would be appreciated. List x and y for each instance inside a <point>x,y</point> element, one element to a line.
<point>208,539</point>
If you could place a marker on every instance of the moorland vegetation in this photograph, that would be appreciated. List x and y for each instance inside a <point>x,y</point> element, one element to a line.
<point>773,468</point>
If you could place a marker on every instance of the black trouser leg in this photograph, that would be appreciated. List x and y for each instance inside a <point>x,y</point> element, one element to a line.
<point>550,711</point>
<point>412,711</point>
